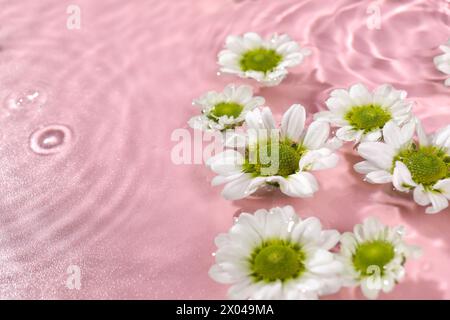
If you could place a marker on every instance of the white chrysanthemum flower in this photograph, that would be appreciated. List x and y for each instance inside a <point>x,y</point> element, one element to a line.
<point>423,167</point>
<point>361,115</point>
<point>442,61</point>
<point>374,256</point>
<point>225,110</point>
<point>264,60</point>
<point>277,158</point>
<point>276,255</point>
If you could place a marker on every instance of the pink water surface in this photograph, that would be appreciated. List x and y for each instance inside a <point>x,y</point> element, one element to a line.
<point>109,199</point>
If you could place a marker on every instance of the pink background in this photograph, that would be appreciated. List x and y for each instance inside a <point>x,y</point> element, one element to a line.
<point>112,202</point>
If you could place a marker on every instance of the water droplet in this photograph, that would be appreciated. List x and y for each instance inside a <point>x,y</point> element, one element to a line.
<point>218,73</point>
<point>213,254</point>
<point>50,139</point>
<point>25,100</point>
<point>401,231</point>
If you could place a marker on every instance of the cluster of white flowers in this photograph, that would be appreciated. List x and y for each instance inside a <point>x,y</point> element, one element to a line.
<point>275,254</point>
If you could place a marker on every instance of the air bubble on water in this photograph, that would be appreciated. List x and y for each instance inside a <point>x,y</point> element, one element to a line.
<point>50,139</point>
<point>25,100</point>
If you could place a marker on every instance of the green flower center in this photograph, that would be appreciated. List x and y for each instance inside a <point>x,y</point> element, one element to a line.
<point>367,118</point>
<point>261,59</point>
<point>427,165</point>
<point>279,158</point>
<point>277,260</point>
<point>371,257</point>
<point>230,109</point>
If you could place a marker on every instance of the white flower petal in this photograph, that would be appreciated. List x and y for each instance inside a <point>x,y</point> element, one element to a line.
<point>220,275</point>
<point>308,230</point>
<point>423,139</point>
<point>252,40</point>
<point>402,178</point>
<point>360,95</point>
<point>318,160</point>
<point>348,243</point>
<point>392,135</point>
<point>238,188</point>
<point>316,135</point>
<point>365,167</point>
<point>368,291</point>
<point>199,122</point>
<point>379,153</point>
<point>438,202</point>
<point>348,133</point>
<point>270,291</point>
<point>407,132</point>
<point>254,120</point>
<point>443,186</point>
<point>379,176</point>
<point>226,163</point>
<point>301,184</point>
<point>330,239</point>
<point>267,119</point>
<point>442,137</point>
<point>372,227</point>
<point>218,180</point>
<point>333,144</point>
<point>332,117</point>
<point>293,122</point>
<point>420,196</point>
<point>372,136</point>
<point>242,290</point>
<point>235,44</point>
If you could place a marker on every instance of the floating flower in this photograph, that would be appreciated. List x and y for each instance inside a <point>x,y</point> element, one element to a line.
<point>442,62</point>
<point>276,255</point>
<point>423,167</point>
<point>374,256</point>
<point>281,159</point>
<point>266,61</point>
<point>225,110</point>
<point>361,115</point>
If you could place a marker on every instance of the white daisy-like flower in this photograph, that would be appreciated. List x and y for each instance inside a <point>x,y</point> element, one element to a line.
<point>277,255</point>
<point>442,62</point>
<point>277,158</point>
<point>361,114</point>
<point>374,256</point>
<point>265,60</point>
<point>224,110</point>
<point>422,166</point>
